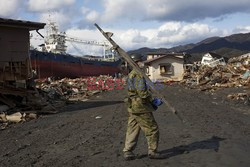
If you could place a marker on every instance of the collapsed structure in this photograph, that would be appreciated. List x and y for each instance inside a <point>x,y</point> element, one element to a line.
<point>212,59</point>
<point>15,67</point>
<point>234,74</point>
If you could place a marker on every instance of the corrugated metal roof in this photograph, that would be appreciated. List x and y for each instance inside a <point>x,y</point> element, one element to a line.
<point>21,24</point>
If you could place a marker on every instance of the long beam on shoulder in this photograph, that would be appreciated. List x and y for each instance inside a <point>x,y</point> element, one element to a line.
<point>131,62</point>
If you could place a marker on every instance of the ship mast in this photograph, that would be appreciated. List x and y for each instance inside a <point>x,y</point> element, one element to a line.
<point>55,41</point>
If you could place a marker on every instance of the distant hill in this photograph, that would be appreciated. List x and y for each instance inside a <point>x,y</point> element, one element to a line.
<point>229,46</point>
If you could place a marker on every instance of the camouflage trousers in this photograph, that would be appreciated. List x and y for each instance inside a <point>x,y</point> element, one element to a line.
<point>148,125</point>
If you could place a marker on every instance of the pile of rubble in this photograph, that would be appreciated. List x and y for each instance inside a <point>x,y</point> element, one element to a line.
<point>234,74</point>
<point>20,104</point>
<point>74,89</point>
<point>245,97</point>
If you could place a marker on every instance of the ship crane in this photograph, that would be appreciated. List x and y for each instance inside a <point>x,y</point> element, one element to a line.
<point>55,42</point>
<point>87,42</point>
<point>107,48</point>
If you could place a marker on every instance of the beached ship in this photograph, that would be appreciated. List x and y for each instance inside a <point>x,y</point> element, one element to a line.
<point>51,59</point>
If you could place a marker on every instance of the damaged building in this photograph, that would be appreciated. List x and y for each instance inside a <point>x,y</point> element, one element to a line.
<point>15,65</point>
<point>15,45</point>
<point>212,59</point>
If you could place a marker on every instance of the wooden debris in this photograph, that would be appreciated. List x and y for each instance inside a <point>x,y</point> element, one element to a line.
<point>46,98</point>
<point>3,117</point>
<point>15,118</point>
<point>77,89</point>
<point>234,74</point>
<point>239,96</point>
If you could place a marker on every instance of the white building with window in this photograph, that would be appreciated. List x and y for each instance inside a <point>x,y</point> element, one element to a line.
<point>212,59</point>
<point>164,67</point>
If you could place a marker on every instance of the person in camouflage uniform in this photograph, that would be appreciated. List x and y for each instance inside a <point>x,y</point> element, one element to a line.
<point>139,103</point>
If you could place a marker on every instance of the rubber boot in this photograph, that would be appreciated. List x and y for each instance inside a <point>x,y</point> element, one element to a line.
<point>156,155</point>
<point>129,155</point>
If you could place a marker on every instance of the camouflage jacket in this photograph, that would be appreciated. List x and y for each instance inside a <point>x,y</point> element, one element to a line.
<point>140,99</point>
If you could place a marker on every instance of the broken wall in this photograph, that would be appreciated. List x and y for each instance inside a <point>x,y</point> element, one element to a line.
<point>14,54</point>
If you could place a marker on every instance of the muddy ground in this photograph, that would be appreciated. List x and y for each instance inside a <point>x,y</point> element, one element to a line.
<point>216,132</point>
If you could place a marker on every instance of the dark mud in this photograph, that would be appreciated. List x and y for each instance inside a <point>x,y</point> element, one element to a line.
<point>216,132</point>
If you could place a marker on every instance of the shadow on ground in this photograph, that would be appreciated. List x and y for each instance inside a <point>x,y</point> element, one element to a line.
<point>88,104</point>
<point>210,144</point>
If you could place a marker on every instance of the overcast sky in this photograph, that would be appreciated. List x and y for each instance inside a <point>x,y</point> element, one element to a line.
<point>137,23</point>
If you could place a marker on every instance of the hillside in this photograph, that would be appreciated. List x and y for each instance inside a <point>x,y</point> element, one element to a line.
<point>229,46</point>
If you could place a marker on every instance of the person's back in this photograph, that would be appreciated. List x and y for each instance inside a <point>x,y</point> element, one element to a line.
<point>138,93</point>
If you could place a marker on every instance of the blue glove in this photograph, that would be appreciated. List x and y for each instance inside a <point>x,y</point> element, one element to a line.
<point>157,102</point>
